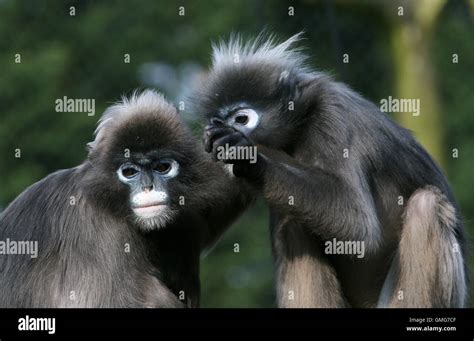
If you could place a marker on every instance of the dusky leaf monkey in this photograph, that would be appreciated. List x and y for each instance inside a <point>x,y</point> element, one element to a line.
<point>127,226</point>
<point>331,166</point>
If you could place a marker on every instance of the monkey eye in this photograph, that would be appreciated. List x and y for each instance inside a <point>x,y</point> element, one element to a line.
<point>163,167</point>
<point>247,118</point>
<point>129,172</point>
<point>167,168</point>
<point>241,119</point>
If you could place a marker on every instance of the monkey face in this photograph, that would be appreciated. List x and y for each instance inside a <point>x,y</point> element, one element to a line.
<point>257,100</point>
<point>157,180</point>
<point>148,167</point>
<point>148,180</point>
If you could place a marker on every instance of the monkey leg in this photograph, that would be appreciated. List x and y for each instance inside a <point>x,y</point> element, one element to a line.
<point>428,269</point>
<point>305,278</point>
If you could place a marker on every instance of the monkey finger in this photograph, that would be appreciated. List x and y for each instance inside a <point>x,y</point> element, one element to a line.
<point>219,149</point>
<point>211,135</point>
<point>241,143</point>
<point>219,131</point>
<point>207,137</point>
<point>229,139</point>
<point>209,129</point>
<point>207,142</point>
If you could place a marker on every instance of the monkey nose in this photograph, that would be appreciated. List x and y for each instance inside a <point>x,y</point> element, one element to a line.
<point>147,188</point>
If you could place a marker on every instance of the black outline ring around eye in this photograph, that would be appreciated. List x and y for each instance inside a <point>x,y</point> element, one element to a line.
<point>169,163</point>
<point>172,171</point>
<point>128,166</point>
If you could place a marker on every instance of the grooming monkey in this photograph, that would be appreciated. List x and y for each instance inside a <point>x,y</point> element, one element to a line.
<point>127,226</point>
<point>331,165</point>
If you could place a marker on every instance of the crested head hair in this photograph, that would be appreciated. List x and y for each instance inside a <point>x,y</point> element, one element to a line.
<point>146,102</point>
<point>262,49</point>
<point>143,122</point>
<point>256,70</point>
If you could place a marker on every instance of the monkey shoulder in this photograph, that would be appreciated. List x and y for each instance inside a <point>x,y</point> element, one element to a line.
<point>38,206</point>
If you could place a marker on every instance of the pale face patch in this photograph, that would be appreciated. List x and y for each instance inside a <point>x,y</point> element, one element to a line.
<point>149,204</point>
<point>165,216</point>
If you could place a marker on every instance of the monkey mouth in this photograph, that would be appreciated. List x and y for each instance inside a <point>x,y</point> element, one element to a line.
<point>150,210</point>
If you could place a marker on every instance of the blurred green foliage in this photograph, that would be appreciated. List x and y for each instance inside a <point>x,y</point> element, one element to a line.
<point>82,56</point>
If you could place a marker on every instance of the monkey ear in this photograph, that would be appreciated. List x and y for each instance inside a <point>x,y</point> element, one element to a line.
<point>288,85</point>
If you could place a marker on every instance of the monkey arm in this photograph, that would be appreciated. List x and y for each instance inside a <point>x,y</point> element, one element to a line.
<point>333,205</point>
<point>231,196</point>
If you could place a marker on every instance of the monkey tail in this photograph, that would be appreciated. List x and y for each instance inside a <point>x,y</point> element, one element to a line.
<point>428,270</point>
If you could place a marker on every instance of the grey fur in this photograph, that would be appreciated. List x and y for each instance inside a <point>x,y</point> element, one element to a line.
<point>82,259</point>
<point>428,248</point>
<point>353,198</point>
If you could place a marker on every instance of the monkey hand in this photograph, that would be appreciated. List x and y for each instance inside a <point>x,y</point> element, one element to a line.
<point>233,147</point>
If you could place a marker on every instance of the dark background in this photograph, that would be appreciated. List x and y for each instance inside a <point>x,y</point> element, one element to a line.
<point>82,56</point>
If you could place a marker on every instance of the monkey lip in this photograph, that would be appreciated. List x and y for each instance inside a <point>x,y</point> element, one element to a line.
<point>149,209</point>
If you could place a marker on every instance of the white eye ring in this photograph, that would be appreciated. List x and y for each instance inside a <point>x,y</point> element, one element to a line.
<point>174,168</point>
<point>252,118</point>
<point>123,178</point>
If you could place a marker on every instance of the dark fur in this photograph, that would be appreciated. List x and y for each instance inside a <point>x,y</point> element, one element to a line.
<point>354,198</point>
<point>81,247</point>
